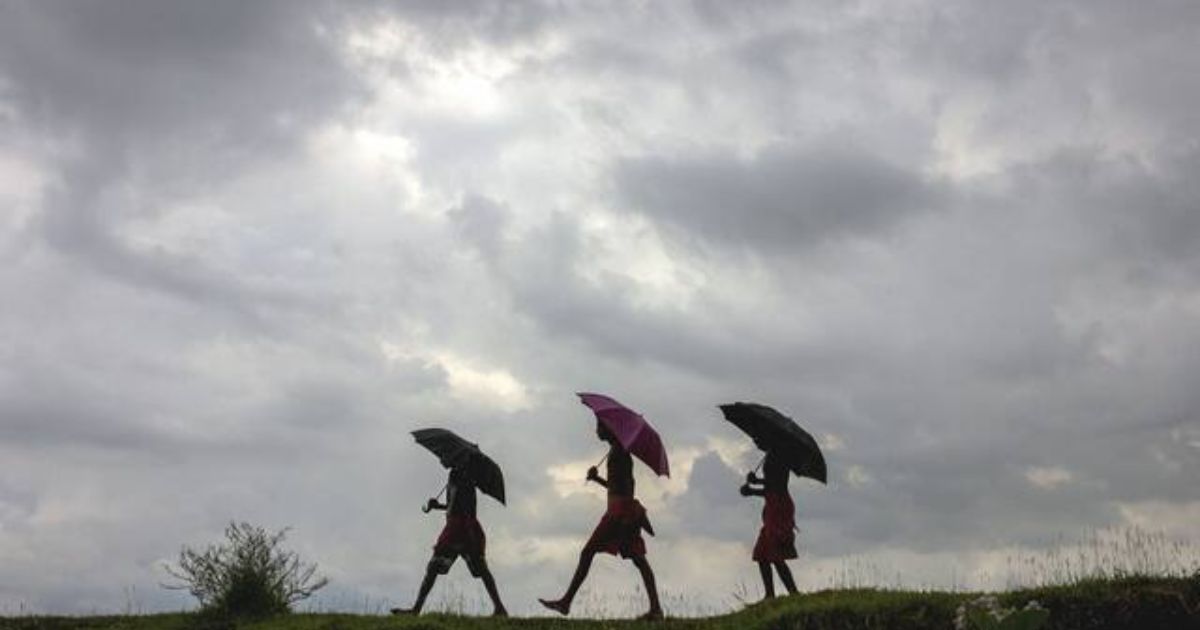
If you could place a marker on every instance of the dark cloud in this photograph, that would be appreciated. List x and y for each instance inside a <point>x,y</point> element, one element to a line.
<point>785,198</point>
<point>166,99</point>
<point>174,75</point>
<point>481,222</point>
<point>712,506</point>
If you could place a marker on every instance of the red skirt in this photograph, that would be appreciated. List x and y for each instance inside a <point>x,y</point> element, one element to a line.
<point>620,529</point>
<point>777,538</point>
<point>461,536</point>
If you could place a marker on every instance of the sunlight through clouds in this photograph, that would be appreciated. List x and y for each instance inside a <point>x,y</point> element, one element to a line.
<point>485,386</point>
<point>467,380</point>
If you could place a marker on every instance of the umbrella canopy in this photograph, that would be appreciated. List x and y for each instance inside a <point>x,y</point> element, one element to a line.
<point>631,430</point>
<point>774,430</point>
<point>455,452</point>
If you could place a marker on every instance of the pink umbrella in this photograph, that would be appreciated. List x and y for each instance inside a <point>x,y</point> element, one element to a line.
<point>631,429</point>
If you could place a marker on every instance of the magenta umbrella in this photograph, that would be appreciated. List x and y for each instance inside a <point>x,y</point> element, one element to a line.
<point>631,430</point>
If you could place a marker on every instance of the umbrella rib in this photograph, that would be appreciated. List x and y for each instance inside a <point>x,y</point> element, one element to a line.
<point>637,434</point>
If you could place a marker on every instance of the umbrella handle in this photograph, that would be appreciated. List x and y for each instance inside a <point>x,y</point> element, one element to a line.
<point>425,508</point>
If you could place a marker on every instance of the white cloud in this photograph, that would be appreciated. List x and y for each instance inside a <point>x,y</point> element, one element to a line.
<point>487,386</point>
<point>832,442</point>
<point>1180,521</point>
<point>858,476</point>
<point>1048,477</point>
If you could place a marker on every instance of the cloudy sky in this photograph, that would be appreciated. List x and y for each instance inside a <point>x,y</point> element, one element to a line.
<point>246,247</point>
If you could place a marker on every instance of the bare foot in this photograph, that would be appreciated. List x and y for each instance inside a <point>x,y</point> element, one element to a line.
<point>405,611</point>
<point>561,607</point>
<point>653,615</point>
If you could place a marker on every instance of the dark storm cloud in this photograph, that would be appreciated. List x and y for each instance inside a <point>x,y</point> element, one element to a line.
<point>174,74</point>
<point>783,198</point>
<point>168,99</point>
<point>1139,213</point>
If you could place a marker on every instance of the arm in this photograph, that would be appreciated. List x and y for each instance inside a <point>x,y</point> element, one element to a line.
<point>434,504</point>
<point>748,491</point>
<point>594,475</point>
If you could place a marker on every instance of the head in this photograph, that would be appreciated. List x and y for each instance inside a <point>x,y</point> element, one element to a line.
<point>604,434</point>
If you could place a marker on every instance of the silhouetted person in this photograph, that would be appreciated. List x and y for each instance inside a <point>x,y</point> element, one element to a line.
<point>777,539</point>
<point>461,536</point>
<point>619,530</point>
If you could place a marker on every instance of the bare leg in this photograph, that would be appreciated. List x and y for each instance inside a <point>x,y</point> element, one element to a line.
<point>563,604</point>
<point>764,569</point>
<point>785,574</point>
<point>489,583</point>
<point>643,567</point>
<point>426,584</point>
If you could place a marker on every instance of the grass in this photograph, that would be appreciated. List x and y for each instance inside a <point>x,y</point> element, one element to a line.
<point>1141,603</point>
<point>1110,580</point>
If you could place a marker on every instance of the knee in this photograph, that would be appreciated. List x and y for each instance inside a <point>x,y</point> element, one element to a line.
<point>436,567</point>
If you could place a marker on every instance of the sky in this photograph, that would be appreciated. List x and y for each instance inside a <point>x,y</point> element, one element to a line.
<point>246,247</point>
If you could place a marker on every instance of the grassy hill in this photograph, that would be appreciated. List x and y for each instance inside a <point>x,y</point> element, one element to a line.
<point>1132,603</point>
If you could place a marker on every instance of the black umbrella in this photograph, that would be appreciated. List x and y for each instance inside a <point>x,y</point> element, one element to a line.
<point>777,431</point>
<point>455,452</point>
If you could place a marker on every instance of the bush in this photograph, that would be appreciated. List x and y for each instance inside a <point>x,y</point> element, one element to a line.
<point>249,575</point>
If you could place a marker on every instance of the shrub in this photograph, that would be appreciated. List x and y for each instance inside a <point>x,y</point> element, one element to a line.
<point>249,575</point>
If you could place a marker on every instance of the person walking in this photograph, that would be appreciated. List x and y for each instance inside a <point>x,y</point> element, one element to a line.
<point>619,531</point>
<point>462,536</point>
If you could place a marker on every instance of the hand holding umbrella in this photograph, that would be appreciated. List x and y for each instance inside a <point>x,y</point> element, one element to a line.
<point>593,473</point>
<point>432,503</point>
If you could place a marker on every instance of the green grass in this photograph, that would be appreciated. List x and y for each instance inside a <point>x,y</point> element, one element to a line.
<point>1134,603</point>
